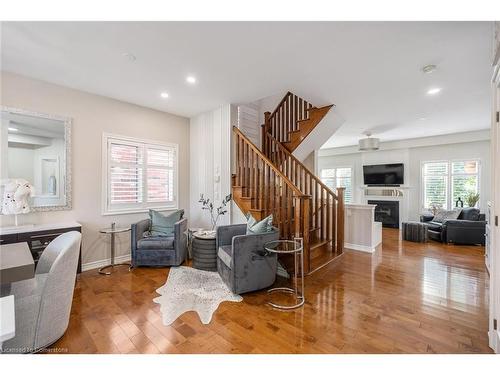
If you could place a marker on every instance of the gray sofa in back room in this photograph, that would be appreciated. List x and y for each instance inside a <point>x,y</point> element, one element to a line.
<point>468,229</point>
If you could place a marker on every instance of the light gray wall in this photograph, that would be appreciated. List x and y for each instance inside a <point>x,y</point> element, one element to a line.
<point>412,157</point>
<point>92,115</point>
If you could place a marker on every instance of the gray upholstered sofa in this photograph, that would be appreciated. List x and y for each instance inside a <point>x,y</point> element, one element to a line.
<point>43,303</point>
<point>242,261</point>
<point>158,251</point>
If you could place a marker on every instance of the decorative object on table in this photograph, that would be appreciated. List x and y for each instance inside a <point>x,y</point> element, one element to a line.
<point>459,203</point>
<point>219,211</point>
<point>158,251</point>
<point>204,251</point>
<point>414,231</point>
<point>189,289</point>
<point>43,303</point>
<point>16,197</point>
<point>113,231</point>
<point>472,199</point>
<point>242,261</point>
<point>296,248</point>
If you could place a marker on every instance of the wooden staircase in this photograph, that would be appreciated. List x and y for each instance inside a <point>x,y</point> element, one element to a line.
<point>273,181</point>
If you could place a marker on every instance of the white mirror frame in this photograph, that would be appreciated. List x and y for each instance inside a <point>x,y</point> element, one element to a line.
<point>67,162</point>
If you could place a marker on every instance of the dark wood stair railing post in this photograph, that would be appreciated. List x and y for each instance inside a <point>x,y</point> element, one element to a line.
<point>340,220</point>
<point>265,129</point>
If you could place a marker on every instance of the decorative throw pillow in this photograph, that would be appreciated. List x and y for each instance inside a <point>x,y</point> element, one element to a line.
<point>163,225</point>
<point>258,227</point>
<point>443,215</point>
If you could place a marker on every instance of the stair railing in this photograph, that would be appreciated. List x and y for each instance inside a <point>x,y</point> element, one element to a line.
<point>271,192</point>
<point>284,118</point>
<point>327,208</point>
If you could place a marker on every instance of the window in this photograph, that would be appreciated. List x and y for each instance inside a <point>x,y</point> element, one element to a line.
<point>446,181</point>
<point>138,175</point>
<point>339,177</point>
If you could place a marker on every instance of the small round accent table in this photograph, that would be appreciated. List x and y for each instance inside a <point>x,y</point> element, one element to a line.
<point>204,250</point>
<point>296,248</point>
<point>112,231</point>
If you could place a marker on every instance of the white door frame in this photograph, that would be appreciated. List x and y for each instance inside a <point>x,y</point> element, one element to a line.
<point>494,315</point>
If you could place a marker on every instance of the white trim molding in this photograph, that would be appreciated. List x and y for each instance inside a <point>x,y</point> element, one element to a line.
<point>105,262</point>
<point>145,206</point>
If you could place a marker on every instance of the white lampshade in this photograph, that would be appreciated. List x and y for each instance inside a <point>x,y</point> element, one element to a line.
<point>369,144</point>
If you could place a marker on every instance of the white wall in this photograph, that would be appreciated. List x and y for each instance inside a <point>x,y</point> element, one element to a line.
<point>412,157</point>
<point>92,115</point>
<point>210,161</point>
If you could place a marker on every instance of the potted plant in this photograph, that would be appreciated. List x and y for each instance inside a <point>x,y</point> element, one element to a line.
<point>471,199</point>
<point>215,213</point>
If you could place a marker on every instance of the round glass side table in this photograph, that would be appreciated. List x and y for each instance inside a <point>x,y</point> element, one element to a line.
<point>112,231</point>
<point>296,248</point>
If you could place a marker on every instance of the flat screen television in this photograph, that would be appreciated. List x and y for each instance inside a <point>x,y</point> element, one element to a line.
<point>384,174</point>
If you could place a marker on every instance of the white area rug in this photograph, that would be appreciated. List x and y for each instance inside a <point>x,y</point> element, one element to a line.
<point>189,289</point>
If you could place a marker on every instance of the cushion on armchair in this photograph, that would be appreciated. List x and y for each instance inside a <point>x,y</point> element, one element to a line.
<point>259,227</point>
<point>156,243</point>
<point>163,225</point>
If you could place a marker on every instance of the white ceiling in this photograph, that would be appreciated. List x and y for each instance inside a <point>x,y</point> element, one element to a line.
<point>370,70</point>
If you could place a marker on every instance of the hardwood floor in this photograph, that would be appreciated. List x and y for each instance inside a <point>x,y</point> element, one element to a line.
<point>406,298</point>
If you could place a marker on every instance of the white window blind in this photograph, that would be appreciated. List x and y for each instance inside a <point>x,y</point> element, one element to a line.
<point>338,177</point>
<point>445,181</point>
<point>139,175</point>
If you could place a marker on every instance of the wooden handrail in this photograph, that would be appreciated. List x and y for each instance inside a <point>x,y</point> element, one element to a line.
<point>290,155</point>
<point>271,164</point>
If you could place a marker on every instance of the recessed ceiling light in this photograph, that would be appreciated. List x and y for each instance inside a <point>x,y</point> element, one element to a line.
<point>429,68</point>
<point>13,129</point>
<point>129,56</point>
<point>434,91</point>
<point>164,95</point>
<point>190,79</point>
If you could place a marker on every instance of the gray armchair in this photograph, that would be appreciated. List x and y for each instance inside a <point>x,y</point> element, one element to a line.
<point>242,261</point>
<point>43,304</point>
<point>158,251</point>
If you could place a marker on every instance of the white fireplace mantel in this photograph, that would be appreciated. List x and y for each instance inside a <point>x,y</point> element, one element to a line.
<point>389,193</point>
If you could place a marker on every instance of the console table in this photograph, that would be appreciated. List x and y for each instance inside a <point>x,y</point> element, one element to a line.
<point>38,236</point>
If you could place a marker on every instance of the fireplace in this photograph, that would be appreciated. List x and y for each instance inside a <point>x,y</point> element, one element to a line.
<point>387,212</point>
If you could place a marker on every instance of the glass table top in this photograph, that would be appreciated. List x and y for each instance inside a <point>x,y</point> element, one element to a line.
<point>284,246</point>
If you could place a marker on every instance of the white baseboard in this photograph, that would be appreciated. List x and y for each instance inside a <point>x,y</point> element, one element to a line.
<point>366,249</point>
<point>105,262</point>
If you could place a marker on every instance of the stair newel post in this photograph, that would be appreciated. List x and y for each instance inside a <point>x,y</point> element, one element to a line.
<point>340,220</point>
<point>302,211</point>
<point>265,130</point>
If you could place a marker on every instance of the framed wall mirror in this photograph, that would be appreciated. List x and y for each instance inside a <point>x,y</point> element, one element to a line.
<point>36,147</point>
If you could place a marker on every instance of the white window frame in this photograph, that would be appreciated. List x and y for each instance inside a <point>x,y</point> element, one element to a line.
<point>339,167</point>
<point>449,183</point>
<point>106,209</point>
